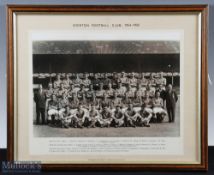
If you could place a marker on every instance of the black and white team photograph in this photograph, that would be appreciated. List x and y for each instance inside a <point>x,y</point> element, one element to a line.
<point>106,88</point>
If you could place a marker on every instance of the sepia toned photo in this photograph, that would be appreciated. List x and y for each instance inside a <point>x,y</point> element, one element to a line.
<point>106,88</point>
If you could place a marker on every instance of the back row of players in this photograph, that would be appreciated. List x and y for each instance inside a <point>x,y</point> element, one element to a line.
<point>115,101</point>
<point>133,79</point>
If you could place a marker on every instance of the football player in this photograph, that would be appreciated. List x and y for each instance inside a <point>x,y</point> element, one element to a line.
<point>94,116</point>
<point>115,101</point>
<point>152,80</point>
<point>81,115</point>
<point>74,102</point>
<point>106,81</point>
<point>121,90</point>
<point>115,80</point>
<point>110,91</point>
<point>67,82</point>
<point>49,91</point>
<point>130,92</point>
<point>142,80</point>
<point>149,91</point>
<point>66,117</point>
<point>96,82</point>
<point>161,80</point>
<point>105,101</point>
<point>57,82</point>
<point>81,92</point>
<point>100,92</point>
<point>53,113</point>
<point>131,116</point>
<point>106,117</point>
<point>137,101</point>
<point>123,79</point>
<point>125,101</point>
<point>63,102</point>
<point>77,83</point>
<point>61,91</point>
<point>140,91</point>
<point>86,82</point>
<point>147,105</point>
<point>133,81</point>
<point>90,92</point>
<point>118,117</point>
<point>158,108</point>
<point>94,101</point>
<point>145,117</point>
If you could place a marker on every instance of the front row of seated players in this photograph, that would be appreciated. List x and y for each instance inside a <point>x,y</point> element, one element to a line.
<point>104,112</point>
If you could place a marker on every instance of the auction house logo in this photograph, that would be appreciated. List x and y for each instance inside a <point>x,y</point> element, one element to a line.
<point>21,167</point>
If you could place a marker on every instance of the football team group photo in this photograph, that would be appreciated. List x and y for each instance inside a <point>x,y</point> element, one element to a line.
<point>106,88</point>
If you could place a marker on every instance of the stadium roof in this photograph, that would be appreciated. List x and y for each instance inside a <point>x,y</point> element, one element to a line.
<point>106,47</point>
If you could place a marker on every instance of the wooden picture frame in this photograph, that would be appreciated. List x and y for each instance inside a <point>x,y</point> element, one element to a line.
<point>66,9</point>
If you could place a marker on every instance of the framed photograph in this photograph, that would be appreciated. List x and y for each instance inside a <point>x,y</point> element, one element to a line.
<point>108,87</point>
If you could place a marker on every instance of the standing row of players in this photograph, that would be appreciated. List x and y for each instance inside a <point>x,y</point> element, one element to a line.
<point>125,103</point>
<point>114,80</point>
<point>130,86</point>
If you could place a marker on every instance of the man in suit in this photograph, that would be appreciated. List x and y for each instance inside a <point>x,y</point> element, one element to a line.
<point>40,100</point>
<point>171,99</point>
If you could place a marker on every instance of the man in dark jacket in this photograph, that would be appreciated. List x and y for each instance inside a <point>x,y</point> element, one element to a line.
<point>40,100</point>
<point>171,99</point>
